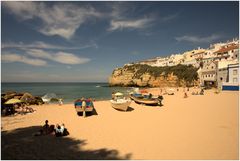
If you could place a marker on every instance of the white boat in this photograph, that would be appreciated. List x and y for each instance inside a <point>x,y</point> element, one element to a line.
<point>121,104</point>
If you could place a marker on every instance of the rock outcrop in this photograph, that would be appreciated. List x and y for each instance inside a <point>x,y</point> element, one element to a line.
<point>144,75</point>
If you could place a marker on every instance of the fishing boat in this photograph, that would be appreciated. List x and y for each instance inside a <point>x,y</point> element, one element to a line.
<point>79,108</point>
<point>119,102</point>
<point>145,99</point>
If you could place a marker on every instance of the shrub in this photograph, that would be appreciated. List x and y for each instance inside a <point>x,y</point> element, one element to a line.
<point>183,72</point>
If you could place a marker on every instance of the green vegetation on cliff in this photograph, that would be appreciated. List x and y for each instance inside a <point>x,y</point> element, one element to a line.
<point>183,72</point>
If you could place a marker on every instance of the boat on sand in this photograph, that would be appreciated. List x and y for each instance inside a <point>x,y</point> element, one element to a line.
<point>79,108</point>
<point>145,99</point>
<point>120,102</point>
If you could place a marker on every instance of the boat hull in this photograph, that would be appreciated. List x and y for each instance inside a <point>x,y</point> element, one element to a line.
<point>123,106</point>
<point>145,101</point>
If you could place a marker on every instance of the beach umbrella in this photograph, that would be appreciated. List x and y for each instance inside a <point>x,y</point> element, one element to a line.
<point>118,94</point>
<point>12,101</point>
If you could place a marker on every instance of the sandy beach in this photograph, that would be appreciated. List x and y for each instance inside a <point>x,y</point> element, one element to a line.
<point>197,127</point>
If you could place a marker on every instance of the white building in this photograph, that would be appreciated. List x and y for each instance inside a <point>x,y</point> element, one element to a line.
<point>233,76</point>
<point>222,72</point>
<point>208,75</point>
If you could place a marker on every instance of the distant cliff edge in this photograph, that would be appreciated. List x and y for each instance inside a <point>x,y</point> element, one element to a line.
<point>143,75</point>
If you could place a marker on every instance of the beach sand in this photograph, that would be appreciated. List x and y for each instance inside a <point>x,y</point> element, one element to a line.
<point>197,127</point>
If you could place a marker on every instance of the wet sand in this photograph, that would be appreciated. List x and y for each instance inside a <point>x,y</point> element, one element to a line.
<point>197,127</point>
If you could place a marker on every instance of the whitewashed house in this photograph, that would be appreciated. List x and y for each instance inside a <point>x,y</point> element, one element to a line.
<point>233,78</point>
<point>222,72</point>
<point>208,74</point>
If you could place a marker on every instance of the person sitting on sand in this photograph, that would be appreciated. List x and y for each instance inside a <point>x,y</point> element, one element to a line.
<point>46,129</point>
<point>65,131</point>
<point>58,130</point>
<point>61,130</point>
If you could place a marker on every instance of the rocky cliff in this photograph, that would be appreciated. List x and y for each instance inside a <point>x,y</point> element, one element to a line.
<point>144,75</point>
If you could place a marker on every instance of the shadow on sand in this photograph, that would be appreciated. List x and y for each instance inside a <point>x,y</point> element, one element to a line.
<point>94,112</point>
<point>21,144</point>
<point>153,105</point>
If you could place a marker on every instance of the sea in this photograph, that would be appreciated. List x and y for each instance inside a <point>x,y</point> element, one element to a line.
<point>69,92</point>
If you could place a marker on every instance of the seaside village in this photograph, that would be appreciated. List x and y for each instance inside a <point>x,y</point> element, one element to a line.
<point>218,65</point>
<point>203,126</point>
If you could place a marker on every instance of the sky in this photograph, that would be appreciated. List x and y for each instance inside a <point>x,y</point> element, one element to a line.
<point>83,41</point>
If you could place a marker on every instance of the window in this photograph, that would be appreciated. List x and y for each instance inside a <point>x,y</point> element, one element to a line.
<point>226,58</point>
<point>235,72</point>
<point>208,75</point>
<point>221,78</point>
<point>234,79</point>
<point>212,67</point>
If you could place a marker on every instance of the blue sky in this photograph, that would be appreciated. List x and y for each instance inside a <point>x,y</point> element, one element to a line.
<point>85,41</point>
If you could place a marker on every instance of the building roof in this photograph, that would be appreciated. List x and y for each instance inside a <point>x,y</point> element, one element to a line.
<point>227,48</point>
<point>198,53</point>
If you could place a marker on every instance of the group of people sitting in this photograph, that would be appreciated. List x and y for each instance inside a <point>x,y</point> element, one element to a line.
<point>22,109</point>
<point>16,108</point>
<point>58,130</point>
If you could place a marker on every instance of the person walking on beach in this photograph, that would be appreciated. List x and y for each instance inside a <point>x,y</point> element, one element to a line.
<point>113,95</point>
<point>60,102</point>
<point>185,95</point>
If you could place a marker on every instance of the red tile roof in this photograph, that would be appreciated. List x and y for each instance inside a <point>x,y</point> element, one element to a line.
<point>228,48</point>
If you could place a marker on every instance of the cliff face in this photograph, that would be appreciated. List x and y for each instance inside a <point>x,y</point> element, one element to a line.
<point>136,76</point>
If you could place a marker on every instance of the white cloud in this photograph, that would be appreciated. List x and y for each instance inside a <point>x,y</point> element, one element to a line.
<point>123,17</point>
<point>60,57</point>
<point>196,39</point>
<point>134,24</point>
<point>43,45</point>
<point>61,19</point>
<point>9,57</point>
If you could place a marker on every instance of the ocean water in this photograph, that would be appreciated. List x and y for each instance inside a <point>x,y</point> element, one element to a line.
<point>68,91</point>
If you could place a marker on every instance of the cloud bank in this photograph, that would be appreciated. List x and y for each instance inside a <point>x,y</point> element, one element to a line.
<point>197,39</point>
<point>37,57</point>
<point>61,19</point>
<point>60,57</point>
<point>43,45</point>
<point>10,57</point>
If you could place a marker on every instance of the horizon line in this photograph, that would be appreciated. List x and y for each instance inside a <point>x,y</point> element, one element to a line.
<point>54,82</point>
